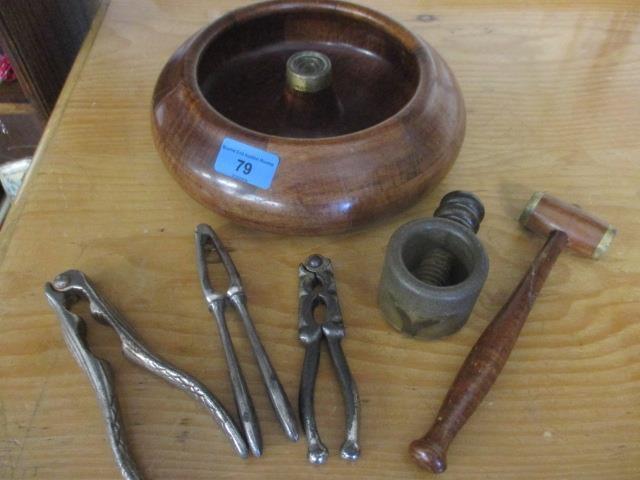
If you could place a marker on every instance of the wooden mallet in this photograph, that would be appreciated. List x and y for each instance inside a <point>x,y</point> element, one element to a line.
<point>565,226</point>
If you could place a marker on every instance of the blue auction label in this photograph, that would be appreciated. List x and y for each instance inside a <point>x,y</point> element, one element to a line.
<point>246,163</point>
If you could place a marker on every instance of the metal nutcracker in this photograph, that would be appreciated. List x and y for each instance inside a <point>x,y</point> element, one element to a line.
<point>318,286</point>
<point>206,242</point>
<point>66,290</point>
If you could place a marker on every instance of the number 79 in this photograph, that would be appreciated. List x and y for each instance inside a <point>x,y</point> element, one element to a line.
<point>244,167</point>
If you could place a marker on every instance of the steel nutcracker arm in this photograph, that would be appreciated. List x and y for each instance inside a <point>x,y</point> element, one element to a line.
<point>101,377</point>
<point>334,331</point>
<point>76,283</point>
<point>310,335</point>
<point>206,237</point>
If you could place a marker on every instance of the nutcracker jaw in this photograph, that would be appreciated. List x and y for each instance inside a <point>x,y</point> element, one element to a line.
<point>66,290</point>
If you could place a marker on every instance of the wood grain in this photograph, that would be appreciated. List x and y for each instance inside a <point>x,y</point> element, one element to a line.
<point>552,96</point>
<point>585,232</point>
<point>396,134</point>
<point>485,361</point>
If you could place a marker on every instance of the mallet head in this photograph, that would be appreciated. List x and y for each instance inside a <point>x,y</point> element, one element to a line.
<point>587,235</point>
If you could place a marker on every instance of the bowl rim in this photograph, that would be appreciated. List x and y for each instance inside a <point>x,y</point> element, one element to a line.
<point>415,45</point>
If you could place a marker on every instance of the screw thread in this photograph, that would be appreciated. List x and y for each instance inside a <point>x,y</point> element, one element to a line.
<point>465,208</point>
<point>462,207</point>
<point>435,267</point>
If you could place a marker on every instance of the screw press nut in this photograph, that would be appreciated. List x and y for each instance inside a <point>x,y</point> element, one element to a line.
<point>434,269</point>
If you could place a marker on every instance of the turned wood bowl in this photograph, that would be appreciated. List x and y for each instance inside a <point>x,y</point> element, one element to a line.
<point>374,129</point>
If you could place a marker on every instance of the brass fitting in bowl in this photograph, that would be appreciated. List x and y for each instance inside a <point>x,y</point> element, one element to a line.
<point>308,71</point>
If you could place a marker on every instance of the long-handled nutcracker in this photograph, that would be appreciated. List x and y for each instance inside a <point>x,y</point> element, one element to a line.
<point>566,226</point>
<point>68,289</point>
<point>217,300</point>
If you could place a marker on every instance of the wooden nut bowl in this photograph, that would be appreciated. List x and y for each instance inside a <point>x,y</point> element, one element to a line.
<point>387,128</point>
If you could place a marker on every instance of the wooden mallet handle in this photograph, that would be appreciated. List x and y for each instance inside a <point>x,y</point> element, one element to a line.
<point>566,226</point>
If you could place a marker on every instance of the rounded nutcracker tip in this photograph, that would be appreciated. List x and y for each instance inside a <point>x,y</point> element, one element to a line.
<point>350,450</point>
<point>314,261</point>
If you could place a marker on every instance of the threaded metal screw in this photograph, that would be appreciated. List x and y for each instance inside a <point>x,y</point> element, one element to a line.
<point>436,267</point>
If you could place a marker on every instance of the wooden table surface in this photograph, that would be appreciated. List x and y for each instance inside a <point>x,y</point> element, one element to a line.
<point>553,98</point>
